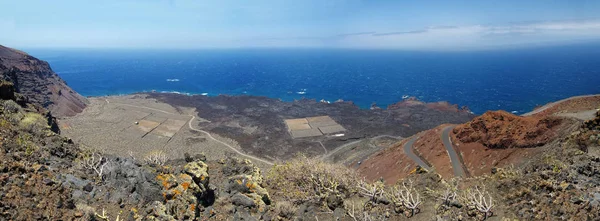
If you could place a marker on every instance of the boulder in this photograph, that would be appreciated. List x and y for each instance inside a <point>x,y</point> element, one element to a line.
<point>246,179</point>
<point>184,194</point>
<point>235,166</point>
<point>157,212</point>
<point>239,199</point>
<point>198,170</point>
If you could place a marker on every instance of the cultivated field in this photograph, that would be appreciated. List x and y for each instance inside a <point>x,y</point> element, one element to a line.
<point>136,126</point>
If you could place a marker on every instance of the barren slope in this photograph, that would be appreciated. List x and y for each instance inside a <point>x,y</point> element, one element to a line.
<point>36,80</point>
<point>495,139</point>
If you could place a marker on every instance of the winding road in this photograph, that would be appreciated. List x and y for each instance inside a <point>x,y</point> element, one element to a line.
<point>337,149</point>
<point>457,165</point>
<point>408,150</point>
<point>201,131</point>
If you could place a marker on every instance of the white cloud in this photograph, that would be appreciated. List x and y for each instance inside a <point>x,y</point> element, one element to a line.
<point>478,36</point>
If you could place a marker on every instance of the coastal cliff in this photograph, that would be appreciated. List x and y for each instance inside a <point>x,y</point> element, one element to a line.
<point>35,80</point>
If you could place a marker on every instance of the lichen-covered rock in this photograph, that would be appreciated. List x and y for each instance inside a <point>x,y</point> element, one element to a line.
<point>235,166</point>
<point>244,184</point>
<point>157,212</point>
<point>184,194</point>
<point>198,170</point>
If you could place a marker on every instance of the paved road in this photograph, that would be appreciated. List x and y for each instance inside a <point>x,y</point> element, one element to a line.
<point>408,150</point>
<point>202,131</point>
<point>337,149</point>
<point>325,149</point>
<point>455,160</point>
<point>545,107</point>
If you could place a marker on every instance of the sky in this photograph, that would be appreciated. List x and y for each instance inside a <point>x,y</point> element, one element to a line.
<point>370,24</point>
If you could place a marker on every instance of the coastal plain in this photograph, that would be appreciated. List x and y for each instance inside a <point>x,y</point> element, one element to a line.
<point>136,126</point>
<point>262,129</point>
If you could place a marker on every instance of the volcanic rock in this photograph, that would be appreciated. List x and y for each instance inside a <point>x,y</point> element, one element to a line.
<point>500,129</point>
<point>35,79</point>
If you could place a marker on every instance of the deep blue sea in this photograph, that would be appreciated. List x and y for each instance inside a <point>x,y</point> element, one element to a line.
<point>511,80</point>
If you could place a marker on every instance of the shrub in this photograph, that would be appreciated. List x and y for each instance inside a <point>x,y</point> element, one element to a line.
<point>11,107</point>
<point>480,199</point>
<point>34,123</point>
<point>24,142</point>
<point>303,179</point>
<point>285,209</point>
<point>406,196</point>
<point>94,162</point>
<point>156,157</point>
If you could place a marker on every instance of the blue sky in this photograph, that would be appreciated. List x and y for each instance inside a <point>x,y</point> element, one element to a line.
<point>391,24</point>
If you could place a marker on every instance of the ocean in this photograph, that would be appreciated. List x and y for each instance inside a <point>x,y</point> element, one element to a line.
<point>514,80</point>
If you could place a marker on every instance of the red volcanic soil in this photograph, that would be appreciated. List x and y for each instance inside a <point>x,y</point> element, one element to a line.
<point>430,147</point>
<point>495,139</point>
<point>572,105</point>
<point>500,129</point>
<point>390,164</point>
<point>440,105</point>
<point>498,139</point>
<point>480,160</point>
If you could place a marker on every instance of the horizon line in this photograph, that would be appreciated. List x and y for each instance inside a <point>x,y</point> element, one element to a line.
<point>461,49</point>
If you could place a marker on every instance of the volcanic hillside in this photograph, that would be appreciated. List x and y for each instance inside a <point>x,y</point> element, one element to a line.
<point>35,80</point>
<point>500,130</point>
<point>494,139</point>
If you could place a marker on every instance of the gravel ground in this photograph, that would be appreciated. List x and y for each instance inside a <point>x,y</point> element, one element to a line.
<point>108,125</point>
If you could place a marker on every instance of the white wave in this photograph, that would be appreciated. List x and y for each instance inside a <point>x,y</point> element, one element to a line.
<point>204,94</point>
<point>514,112</point>
<point>173,80</point>
<point>302,91</point>
<point>175,92</point>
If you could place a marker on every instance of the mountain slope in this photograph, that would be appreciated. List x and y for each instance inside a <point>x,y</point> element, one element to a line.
<point>36,80</point>
<point>494,139</point>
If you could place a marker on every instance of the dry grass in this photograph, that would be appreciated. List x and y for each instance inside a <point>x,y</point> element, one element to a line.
<point>11,107</point>
<point>34,123</point>
<point>156,157</point>
<point>303,179</point>
<point>285,210</point>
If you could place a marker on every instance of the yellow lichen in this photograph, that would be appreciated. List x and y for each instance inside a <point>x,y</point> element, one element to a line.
<point>185,185</point>
<point>251,186</point>
<point>164,180</point>
<point>176,192</point>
